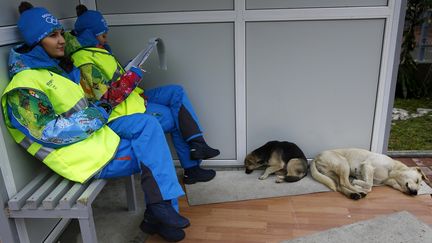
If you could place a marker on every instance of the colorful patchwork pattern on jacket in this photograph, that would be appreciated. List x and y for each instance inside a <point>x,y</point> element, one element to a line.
<point>97,88</point>
<point>96,85</point>
<point>34,112</point>
<point>93,82</point>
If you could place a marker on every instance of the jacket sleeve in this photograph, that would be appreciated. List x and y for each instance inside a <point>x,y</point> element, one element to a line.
<point>32,113</point>
<point>113,91</point>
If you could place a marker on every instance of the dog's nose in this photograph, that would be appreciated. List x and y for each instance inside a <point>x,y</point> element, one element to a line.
<point>413,192</point>
<point>247,171</point>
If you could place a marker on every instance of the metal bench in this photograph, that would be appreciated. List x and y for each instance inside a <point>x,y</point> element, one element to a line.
<point>49,195</point>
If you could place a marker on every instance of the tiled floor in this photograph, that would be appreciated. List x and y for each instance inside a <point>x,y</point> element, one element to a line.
<point>425,165</point>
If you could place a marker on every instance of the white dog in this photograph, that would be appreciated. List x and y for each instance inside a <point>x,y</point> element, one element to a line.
<point>334,168</point>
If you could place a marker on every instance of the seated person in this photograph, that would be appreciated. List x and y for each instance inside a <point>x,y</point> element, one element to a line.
<point>47,113</point>
<point>87,45</point>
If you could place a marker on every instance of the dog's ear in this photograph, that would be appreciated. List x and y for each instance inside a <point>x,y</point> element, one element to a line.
<point>424,177</point>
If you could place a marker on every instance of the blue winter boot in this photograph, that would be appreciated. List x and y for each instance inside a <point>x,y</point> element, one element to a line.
<point>170,234</point>
<point>164,213</point>
<point>197,174</point>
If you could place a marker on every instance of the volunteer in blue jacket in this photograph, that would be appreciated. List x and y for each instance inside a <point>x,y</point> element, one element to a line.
<point>89,50</point>
<point>47,113</point>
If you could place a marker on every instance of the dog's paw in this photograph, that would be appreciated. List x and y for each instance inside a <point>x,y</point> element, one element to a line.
<point>362,185</point>
<point>280,179</point>
<point>367,190</point>
<point>357,196</point>
<point>263,177</point>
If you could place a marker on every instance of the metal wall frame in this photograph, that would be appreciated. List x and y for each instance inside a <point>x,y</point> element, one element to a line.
<point>393,14</point>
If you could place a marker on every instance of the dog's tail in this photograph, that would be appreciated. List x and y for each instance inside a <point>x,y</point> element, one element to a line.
<point>292,178</point>
<point>317,175</point>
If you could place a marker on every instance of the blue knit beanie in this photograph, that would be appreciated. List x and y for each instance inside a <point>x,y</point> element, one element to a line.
<point>93,21</point>
<point>35,24</point>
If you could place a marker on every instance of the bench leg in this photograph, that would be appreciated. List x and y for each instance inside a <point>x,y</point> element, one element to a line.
<point>130,193</point>
<point>88,229</point>
<point>8,230</point>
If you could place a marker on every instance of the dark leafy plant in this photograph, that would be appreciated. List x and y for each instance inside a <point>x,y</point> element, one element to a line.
<point>407,83</point>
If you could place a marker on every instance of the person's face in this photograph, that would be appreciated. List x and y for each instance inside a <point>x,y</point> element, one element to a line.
<point>54,44</point>
<point>103,38</point>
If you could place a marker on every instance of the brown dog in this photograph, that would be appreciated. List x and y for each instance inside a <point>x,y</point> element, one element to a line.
<point>283,158</point>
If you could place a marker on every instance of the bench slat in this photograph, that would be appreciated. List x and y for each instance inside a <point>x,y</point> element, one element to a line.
<point>90,193</point>
<point>17,201</point>
<point>36,198</point>
<point>53,198</point>
<point>69,198</point>
<point>42,213</point>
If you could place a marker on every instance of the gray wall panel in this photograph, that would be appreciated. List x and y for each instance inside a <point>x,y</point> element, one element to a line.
<point>149,6</point>
<point>60,9</point>
<point>273,4</point>
<point>312,82</point>
<point>199,57</point>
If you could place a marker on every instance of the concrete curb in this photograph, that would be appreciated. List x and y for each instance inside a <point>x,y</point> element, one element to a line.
<point>410,153</point>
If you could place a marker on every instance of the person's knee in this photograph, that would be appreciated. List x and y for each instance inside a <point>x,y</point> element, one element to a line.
<point>150,121</point>
<point>142,122</point>
<point>176,88</point>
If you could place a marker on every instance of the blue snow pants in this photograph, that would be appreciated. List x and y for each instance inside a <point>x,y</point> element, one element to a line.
<point>143,148</point>
<point>164,103</point>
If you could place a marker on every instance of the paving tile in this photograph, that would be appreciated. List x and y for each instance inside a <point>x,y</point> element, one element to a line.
<point>426,161</point>
<point>429,181</point>
<point>426,170</point>
<point>418,161</point>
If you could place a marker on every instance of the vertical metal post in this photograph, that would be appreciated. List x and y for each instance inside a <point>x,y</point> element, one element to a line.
<point>388,75</point>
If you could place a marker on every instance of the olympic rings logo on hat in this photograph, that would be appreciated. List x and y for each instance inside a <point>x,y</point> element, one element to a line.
<point>50,19</point>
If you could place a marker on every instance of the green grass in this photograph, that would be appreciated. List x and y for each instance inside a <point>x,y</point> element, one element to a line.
<point>414,133</point>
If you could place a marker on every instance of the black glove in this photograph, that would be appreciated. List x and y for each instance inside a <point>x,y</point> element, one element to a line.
<point>104,108</point>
